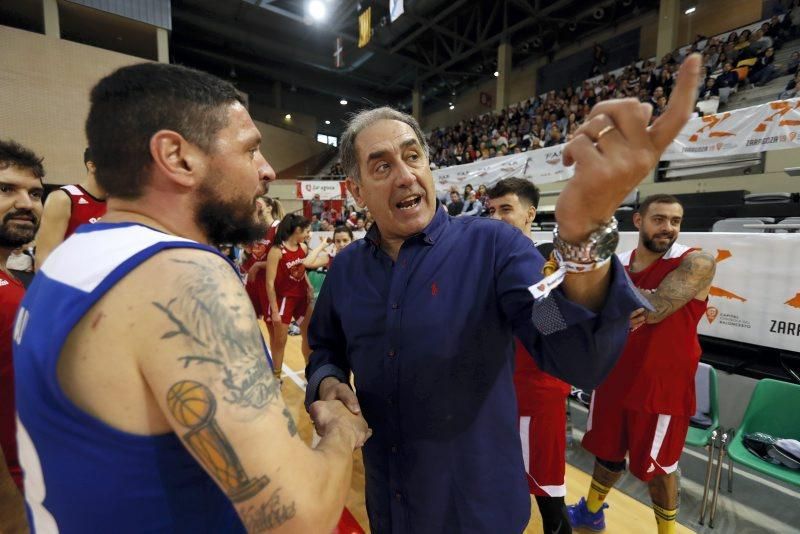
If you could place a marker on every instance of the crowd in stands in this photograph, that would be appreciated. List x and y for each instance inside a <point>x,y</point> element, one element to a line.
<point>741,60</point>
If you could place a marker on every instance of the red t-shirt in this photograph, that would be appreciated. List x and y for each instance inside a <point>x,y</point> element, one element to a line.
<point>85,208</point>
<point>290,280</point>
<point>11,293</point>
<point>655,373</point>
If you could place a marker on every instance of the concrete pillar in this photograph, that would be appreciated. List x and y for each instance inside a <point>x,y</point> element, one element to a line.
<point>52,28</point>
<point>416,103</point>
<point>277,101</point>
<point>669,12</point>
<point>504,52</point>
<point>162,44</point>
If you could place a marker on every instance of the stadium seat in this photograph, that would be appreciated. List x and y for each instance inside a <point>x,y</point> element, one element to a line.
<point>705,422</point>
<point>760,198</point>
<point>740,225</point>
<point>790,220</point>
<point>773,409</point>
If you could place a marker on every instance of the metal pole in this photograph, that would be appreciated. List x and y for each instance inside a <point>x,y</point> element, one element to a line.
<point>709,467</point>
<point>720,460</point>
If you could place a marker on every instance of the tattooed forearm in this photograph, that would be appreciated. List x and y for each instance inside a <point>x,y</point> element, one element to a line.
<point>681,285</point>
<point>222,334</point>
<point>269,515</point>
<point>194,406</point>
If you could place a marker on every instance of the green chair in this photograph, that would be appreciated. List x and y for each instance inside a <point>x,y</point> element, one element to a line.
<point>701,437</point>
<point>774,409</point>
<point>316,278</point>
<point>706,437</point>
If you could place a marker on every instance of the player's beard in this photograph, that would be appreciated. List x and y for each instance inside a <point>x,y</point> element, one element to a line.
<point>227,221</point>
<point>11,237</point>
<point>651,244</point>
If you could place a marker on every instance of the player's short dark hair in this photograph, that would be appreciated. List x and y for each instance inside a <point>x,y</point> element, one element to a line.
<point>524,189</point>
<point>133,103</point>
<point>87,156</point>
<point>660,198</point>
<point>13,154</point>
<point>288,225</point>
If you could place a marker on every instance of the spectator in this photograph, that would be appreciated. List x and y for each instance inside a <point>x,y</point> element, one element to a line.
<point>315,223</point>
<point>481,193</point>
<point>794,62</point>
<point>472,206</point>
<point>317,206</point>
<point>764,69</point>
<point>709,91</point>
<point>467,190</point>
<point>791,89</point>
<point>555,137</point>
<point>727,82</point>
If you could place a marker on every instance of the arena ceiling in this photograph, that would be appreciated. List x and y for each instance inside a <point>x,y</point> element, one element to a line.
<point>443,46</point>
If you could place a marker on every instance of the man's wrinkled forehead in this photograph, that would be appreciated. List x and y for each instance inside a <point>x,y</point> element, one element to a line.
<point>384,136</point>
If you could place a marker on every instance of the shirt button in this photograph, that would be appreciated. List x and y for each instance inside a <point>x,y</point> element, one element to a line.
<point>395,306</point>
<point>392,353</point>
<point>394,448</point>
<point>390,400</point>
<point>398,495</point>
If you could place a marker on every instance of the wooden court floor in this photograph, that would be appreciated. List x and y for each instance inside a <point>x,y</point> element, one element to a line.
<point>624,516</point>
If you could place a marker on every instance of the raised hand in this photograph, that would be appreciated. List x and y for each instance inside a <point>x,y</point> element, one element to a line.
<point>615,149</point>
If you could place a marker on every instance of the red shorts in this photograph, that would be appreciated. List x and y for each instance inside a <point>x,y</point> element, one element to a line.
<point>256,289</point>
<point>543,432</point>
<point>290,308</point>
<point>653,442</point>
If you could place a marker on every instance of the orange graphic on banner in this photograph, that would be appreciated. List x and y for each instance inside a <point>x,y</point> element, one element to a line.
<point>782,107</point>
<point>710,122</point>
<point>794,302</point>
<point>722,255</point>
<point>711,314</point>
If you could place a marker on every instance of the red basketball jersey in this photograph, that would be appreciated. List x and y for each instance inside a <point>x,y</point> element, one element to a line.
<point>655,373</point>
<point>11,293</point>
<point>85,208</point>
<point>290,280</point>
<point>258,250</point>
<point>531,383</point>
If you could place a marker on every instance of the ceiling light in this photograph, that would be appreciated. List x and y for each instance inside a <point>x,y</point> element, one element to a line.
<point>690,10</point>
<point>327,122</point>
<point>317,10</point>
<point>496,74</point>
<point>288,116</point>
<point>452,106</point>
<point>343,102</point>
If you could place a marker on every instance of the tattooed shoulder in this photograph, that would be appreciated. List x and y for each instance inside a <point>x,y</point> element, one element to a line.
<point>209,309</point>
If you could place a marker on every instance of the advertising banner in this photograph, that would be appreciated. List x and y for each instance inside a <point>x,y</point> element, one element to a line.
<point>755,296</point>
<point>326,190</point>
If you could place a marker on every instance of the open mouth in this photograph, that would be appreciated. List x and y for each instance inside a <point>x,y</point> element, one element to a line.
<point>409,203</point>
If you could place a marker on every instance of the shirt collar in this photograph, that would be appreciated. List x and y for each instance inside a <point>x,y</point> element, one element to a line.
<point>429,235</point>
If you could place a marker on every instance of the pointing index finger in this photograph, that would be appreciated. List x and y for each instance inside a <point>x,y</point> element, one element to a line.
<point>681,104</point>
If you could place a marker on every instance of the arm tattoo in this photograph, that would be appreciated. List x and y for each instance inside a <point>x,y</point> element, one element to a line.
<point>267,516</point>
<point>681,285</point>
<point>222,334</point>
<point>193,405</point>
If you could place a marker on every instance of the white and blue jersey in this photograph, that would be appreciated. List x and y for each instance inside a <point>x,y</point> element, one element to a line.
<point>82,475</point>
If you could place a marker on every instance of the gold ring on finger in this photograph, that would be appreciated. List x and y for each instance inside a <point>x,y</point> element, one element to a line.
<point>604,131</point>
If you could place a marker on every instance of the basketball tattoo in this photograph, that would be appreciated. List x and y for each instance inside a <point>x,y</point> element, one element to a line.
<point>193,406</point>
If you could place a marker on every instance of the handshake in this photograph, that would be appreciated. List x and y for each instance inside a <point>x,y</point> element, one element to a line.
<point>338,411</point>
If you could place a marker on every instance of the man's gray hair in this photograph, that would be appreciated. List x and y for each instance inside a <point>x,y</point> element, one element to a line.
<point>364,119</point>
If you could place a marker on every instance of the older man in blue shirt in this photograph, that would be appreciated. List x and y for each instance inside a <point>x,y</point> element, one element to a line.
<point>423,312</point>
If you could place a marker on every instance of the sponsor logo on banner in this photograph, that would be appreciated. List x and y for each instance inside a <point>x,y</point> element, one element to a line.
<point>794,302</point>
<point>711,313</point>
<point>325,190</point>
<point>788,328</point>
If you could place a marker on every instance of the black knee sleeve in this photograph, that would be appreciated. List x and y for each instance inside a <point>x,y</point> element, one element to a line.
<point>554,515</point>
<point>612,466</point>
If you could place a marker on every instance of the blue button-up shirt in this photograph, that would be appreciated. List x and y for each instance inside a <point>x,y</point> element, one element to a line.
<point>429,339</point>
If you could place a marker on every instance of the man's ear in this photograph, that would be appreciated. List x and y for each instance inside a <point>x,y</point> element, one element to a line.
<point>531,215</point>
<point>637,220</point>
<point>355,189</point>
<point>177,159</point>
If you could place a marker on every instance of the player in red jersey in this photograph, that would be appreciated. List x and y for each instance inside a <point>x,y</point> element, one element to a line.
<point>21,174</point>
<point>541,398</point>
<point>288,288</point>
<point>643,407</point>
<point>67,208</point>
<point>254,265</point>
